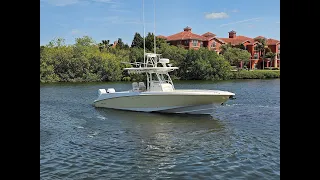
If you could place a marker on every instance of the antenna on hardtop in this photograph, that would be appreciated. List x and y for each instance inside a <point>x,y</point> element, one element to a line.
<point>144,35</point>
<point>154,34</point>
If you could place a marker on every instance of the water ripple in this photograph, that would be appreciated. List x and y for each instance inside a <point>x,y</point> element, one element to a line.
<point>242,141</point>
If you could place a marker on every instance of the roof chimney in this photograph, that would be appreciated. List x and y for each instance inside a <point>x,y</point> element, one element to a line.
<point>232,34</point>
<point>187,29</point>
<point>115,43</point>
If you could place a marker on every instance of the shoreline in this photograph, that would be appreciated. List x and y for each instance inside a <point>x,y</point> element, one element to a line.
<point>237,75</point>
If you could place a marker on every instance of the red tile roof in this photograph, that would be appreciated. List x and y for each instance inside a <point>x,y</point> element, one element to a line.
<point>185,35</point>
<point>208,34</point>
<point>161,36</point>
<point>259,37</point>
<point>237,40</point>
<point>220,40</point>
<point>272,41</point>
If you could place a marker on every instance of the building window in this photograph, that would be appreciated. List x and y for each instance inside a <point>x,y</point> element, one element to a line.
<point>201,44</point>
<point>194,42</point>
<point>213,44</point>
<point>255,56</point>
<point>186,43</point>
<point>256,48</point>
<point>279,47</point>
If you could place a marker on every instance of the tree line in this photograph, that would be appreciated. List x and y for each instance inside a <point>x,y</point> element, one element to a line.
<point>89,61</point>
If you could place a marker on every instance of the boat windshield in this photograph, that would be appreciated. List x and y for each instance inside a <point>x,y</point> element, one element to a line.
<point>164,78</point>
<point>160,78</point>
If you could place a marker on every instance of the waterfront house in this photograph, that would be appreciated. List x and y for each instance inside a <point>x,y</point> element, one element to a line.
<point>190,40</point>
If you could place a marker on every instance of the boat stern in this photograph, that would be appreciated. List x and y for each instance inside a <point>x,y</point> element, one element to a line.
<point>102,93</point>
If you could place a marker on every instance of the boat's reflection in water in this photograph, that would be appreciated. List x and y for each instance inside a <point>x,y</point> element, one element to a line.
<point>154,122</point>
<point>158,141</point>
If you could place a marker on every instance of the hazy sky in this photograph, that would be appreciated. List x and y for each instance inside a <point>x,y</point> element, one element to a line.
<point>113,19</point>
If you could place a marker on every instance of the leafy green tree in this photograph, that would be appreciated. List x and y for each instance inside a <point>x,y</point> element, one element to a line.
<point>120,44</point>
<point>203,64</point>
<point>136,55</point>
<point>150,42</point>
<point>137,41</point>
<point>235,55</point>
<point>175,54</point>
<point>241,46</point>
<point>84,41</point>
<point>41,50</point>
<point>224,47</point>
<point>86,61</point>
<point>160,42</point>
<point>57,42</point>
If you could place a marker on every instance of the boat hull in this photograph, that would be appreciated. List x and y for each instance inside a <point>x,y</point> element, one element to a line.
<point>186,103</point>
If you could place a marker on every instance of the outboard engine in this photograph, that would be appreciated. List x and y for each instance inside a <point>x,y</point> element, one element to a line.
<point>101,91</point>
<point>111,90</point>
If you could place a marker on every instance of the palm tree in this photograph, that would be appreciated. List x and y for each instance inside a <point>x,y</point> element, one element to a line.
<point>101,46</point>
<point>104,45</point>
<point>271,55</point>
<point>262,46</point>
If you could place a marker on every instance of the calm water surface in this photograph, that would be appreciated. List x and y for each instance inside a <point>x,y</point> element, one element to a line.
<point>241,140</point>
